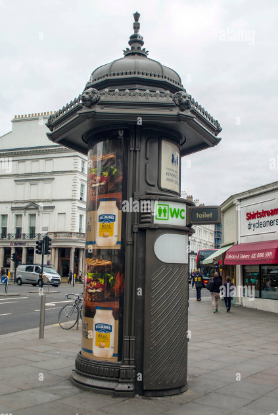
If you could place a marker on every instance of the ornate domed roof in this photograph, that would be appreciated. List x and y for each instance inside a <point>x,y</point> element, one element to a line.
<point>135,64</point>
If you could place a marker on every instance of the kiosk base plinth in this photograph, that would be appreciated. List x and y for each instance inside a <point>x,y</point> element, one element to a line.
<point>166,392</point>
<point>104,377</point>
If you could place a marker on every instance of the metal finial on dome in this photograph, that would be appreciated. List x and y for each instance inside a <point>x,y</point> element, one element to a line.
<point>136,40</point>
<point>136,24</point>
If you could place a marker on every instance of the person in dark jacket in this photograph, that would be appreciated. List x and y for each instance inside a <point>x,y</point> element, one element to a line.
<point>192,278</point>
<point>215,292</point>
<point>198,280</point>
<point>228,293</point>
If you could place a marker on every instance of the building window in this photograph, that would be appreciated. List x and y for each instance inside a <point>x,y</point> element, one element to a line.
<point>80,223</point>
<point>18,226</point>
<point>269,282</point>
<point>82,187</point>
<point>32,226</point>
<point>251,275</point>
<point>61,222</point>
<point>4,221</point>
<point>82,166</point>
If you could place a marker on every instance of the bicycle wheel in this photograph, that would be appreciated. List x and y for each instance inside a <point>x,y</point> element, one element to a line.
<point>80,312</point>
<point>68,316</point>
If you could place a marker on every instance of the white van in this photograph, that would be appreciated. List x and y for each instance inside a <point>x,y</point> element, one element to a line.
<point>29,274</point>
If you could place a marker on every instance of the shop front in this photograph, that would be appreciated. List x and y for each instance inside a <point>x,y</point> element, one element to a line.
<point>255,256</point>
<point>259,269</point>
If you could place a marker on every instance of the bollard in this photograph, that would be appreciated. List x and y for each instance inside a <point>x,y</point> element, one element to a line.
<point>77,324</point>
<point>42,316</point>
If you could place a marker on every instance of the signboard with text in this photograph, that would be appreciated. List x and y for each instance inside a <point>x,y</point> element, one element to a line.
<point>169,213</point>
<point>201,215</point>
<point>259,221</point>
<point>169,166</point>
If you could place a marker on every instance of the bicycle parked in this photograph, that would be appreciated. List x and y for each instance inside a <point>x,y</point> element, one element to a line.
<point>71,313</point>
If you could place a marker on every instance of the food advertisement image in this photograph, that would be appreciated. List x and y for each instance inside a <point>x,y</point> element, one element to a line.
<point>104,204</point>
<point>104,269</point>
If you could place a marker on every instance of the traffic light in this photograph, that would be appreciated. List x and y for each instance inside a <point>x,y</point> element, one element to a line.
<point>47,245</point>
<point>14,257</point>
<point>39,247</point>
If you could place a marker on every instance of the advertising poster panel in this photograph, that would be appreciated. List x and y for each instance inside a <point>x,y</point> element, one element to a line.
<point>169,166</point>
<point>104,279</point>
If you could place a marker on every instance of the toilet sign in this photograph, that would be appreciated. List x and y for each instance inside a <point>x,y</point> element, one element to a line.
<point>200,215</point>
<point>179,214</point>
<point>169,213</point>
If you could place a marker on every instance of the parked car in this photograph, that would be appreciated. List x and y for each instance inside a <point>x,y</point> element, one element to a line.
<point>29,274</point>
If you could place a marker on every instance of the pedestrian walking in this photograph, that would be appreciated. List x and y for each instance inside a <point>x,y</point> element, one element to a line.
<point>228,293</point>
<point>214,292</point>
<point>70,277</point>
<point>198,280</point>
<point>192,278</point>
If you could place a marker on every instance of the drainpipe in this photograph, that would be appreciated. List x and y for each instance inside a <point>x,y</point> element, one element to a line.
<point>238,267</point>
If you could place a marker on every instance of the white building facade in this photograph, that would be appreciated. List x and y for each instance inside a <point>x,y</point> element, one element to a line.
<point>43,191</point>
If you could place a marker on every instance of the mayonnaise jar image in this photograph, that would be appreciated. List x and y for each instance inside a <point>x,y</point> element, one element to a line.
<point>107,223</point>
<point>104,330</point>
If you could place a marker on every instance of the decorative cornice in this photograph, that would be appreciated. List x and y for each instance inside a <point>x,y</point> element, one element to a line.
<point>37,179</point>
<point>185,102</point>
<point>72,107</point>
<point>32,151</point>
<point>32,206</point>
<point>248,193</point>
<point>181,99</point>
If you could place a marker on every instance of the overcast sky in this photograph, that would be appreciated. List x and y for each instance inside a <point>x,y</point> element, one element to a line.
<point>225,52</point>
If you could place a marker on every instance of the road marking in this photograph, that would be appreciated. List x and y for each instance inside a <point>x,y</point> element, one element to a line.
<point>5,299</point>
<point>55,308</point>
<point>9,302</point>
<point>58,302</point>
<point>5,314</point>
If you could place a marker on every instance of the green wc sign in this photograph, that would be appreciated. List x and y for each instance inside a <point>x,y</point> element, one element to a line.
<point>172,213</point>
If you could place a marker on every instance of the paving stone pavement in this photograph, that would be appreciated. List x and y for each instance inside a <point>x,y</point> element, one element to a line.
<point>232,365</point>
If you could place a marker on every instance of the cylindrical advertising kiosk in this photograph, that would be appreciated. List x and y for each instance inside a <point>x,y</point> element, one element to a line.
<point>135,121</point>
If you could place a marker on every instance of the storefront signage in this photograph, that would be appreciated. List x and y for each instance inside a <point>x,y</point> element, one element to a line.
<point>259,218</point>
<point>169,213</point>
<point>169,166</point>
<point>18,244</point>
<point>252,253</point>
<point>204,215</point>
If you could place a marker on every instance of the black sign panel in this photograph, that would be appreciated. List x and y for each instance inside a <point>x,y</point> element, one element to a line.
<point>200,215</point>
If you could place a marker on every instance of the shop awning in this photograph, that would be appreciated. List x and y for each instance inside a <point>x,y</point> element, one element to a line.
<point>254,253</point>
<point>216,255</point>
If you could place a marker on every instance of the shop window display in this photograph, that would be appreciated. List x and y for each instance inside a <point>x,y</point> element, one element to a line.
<point>269,281</point>
<point>251,275</point>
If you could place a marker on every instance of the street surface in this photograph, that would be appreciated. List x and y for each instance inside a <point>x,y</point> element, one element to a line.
<point>232,369</point>
<point>22,312</point>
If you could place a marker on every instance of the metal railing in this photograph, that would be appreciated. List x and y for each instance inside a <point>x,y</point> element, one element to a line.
<point>66,235</point>
<point>38,236</point>
<point>23,236</point>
